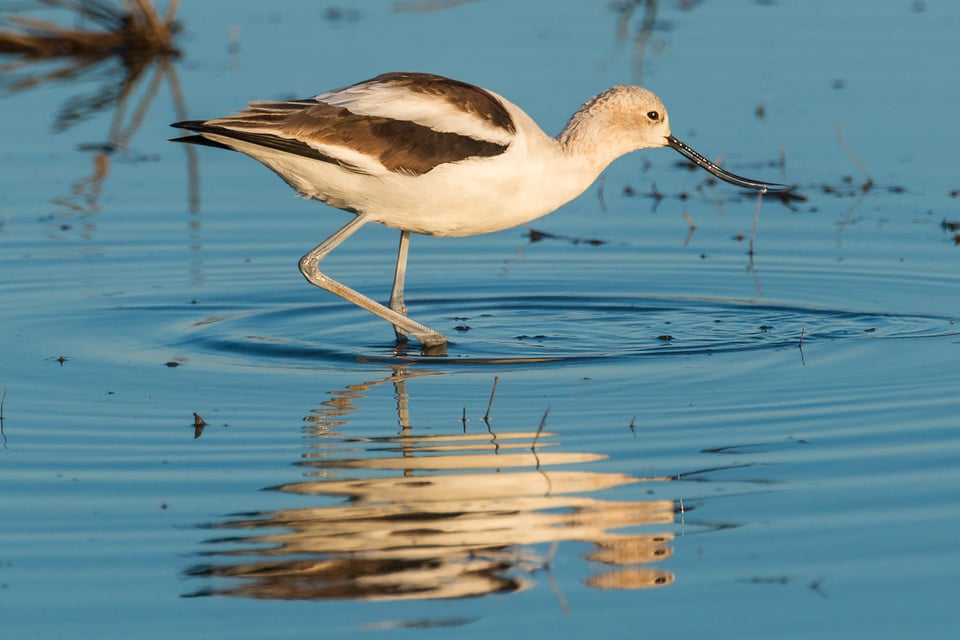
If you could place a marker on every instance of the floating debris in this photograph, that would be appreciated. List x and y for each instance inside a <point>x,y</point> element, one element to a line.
<point>198,425</point>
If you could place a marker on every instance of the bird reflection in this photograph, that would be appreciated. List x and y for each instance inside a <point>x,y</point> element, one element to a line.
<point>129,49</point>
<point>435,516</point>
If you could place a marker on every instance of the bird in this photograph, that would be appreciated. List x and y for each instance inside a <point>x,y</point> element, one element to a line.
<point>427,154</point>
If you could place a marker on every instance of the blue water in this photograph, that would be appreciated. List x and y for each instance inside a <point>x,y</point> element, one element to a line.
<point>684,439</point>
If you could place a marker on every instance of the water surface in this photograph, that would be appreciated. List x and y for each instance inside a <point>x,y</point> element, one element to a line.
<point>685,439</point>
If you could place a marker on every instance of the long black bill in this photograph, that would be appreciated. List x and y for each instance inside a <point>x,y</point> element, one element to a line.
<point>724,175</point>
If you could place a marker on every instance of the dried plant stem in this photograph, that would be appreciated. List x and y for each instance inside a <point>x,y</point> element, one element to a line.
<point>853,157</point>
<point>543,423</point>
<point>486,416</point>
<point>756,222</point>
<point>3,402</point>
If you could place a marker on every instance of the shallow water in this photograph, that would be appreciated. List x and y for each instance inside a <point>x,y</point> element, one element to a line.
<point>638,426</point>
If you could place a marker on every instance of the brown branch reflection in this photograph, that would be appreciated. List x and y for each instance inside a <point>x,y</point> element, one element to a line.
<point>127,45</point>
<point>625,10</point>
<point>446,515</point>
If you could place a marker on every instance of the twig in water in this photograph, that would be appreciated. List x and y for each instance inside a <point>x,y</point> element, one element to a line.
<point>693,227</point>
<point>803,360</point>
<point>486,416</point>
<point>817,587</point>
<point>547,567</point>
<point>656,195</point>
<point>543,422</point>
<point>603,201</point>
<point>756,222</point>
<point>3,402</point>
<point>869,183</point>
<point>198,425</point>
<point>463,419</point>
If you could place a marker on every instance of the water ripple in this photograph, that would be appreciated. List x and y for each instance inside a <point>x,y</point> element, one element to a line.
<point>528,329</point>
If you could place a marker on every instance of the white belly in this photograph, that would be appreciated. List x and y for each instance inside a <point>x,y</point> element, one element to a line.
<point>458,199</point>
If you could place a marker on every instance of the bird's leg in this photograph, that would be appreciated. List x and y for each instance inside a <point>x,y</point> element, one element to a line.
<point>396,294</point>
<point>431,342</point>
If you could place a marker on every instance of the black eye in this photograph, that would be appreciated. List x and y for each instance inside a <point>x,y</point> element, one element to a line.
<point>653,115</point>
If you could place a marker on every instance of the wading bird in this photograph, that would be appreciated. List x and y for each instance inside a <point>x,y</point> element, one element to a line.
<point>426,154</point>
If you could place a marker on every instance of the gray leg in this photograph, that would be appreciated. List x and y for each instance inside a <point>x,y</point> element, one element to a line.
<point>396,294</point>
<point>430,340</point>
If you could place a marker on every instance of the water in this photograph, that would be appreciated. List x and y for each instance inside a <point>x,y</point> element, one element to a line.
<point>684,438</point>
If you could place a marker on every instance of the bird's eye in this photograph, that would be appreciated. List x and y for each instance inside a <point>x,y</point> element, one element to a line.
<point>653,115</point>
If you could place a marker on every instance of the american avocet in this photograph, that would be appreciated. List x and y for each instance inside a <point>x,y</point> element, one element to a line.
<point>426,154</point>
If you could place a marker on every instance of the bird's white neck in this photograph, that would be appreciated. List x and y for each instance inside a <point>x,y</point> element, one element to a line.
<point>587,141</point>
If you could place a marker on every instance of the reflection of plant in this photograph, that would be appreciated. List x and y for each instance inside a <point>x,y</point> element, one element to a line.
<point>126,43</point>
<point>135,27</point>
<point>625,10</point>
<point>134,35</point>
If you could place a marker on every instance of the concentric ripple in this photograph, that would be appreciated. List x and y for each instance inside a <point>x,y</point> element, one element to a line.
<point>528,329</point>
